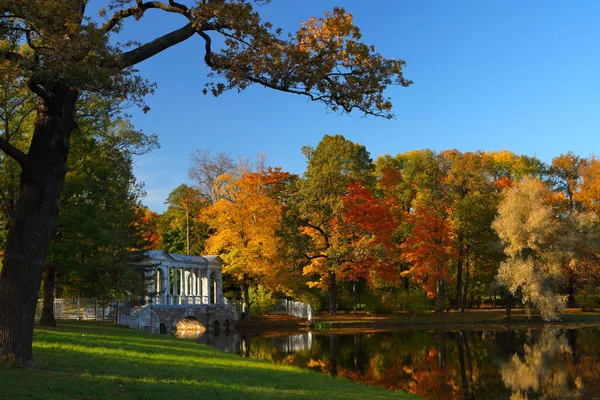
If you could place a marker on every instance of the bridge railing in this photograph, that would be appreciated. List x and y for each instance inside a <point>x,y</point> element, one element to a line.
<point>142,318</point>
<point>179,300</point>
<point>294,308</point>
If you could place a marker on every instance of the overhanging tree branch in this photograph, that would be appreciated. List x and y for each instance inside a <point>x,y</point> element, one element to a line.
<point>139,9</point>
<point>14,153</point>
<point>38,89</point>
<point>154,47</point>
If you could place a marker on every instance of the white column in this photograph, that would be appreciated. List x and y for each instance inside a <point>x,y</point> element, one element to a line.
<point>166,284</point>
<point>185,279</point>
<point>192,281</point>
<point>176,285</point>
<point>207,286</point>
<point>198,283</point>
<point>219,287</point>
<point>201,282</point>
<point>180,282</point>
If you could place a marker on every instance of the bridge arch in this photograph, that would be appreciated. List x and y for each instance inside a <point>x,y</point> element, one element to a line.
<point>190,322</point>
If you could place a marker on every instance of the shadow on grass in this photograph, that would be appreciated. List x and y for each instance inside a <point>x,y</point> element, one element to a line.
<point>82,360</point>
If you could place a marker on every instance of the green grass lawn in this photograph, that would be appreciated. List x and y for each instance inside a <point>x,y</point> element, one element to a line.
<point>86,360</point>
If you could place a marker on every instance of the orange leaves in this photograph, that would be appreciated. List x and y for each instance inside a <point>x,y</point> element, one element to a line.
<point>589,186</point>
<point>504,183</point>
<point>363,235</point>
<point>429,248</point>
<point>146,225</point>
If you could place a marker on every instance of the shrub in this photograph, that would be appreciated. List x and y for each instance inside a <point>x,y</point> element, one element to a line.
<point>588,298</point>
<point>262,302</point>
<point>418,303</point>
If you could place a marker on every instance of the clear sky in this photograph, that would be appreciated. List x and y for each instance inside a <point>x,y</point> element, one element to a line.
<point>488,75</point>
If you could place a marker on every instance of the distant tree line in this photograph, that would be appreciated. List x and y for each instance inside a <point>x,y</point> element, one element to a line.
<point>420,229</point>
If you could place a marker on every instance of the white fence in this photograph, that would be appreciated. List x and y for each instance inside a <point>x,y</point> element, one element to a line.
<point>295,309</point>
<point>82,309</point>
<point>98,310</point>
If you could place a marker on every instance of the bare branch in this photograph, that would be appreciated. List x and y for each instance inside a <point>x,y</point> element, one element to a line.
<point>138,9</point>
<point>14,153</point>
<point>207,48</point>
<point>20,123</point>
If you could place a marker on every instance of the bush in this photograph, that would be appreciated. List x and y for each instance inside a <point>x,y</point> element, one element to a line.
<point>321,326</point>
<point>261,302</point>
<point>414,301</point>
<point>417,302</point>
<point>588,299</point>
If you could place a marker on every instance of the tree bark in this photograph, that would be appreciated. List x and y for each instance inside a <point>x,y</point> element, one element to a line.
<point>33,222</point>
<point>187,231</point>
<point>246,289</point>
<point>354,298</point>
<point>440,297</point>
<point>466,287</point>
<point>459,270</point>
<point>332,300</point>
<point>508,298</point>
<point>47,318</point>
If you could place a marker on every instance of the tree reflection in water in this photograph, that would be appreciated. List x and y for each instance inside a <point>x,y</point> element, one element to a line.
<point>471,365</point>
<point>543,370</point>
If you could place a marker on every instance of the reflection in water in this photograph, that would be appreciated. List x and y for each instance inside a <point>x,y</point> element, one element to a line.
<point>535,364</point>
<point>334,343</point>
<point>543,369</point>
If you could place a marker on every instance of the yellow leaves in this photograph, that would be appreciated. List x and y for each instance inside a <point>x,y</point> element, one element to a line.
<point>246,221</point>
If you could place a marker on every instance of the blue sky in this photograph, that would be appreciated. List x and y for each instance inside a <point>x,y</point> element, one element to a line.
<point>487,75</point>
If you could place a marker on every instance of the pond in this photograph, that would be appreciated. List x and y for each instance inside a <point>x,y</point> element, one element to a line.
<point>548,363</point>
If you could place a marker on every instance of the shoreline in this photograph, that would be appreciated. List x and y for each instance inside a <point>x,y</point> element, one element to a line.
<point>470,320</point>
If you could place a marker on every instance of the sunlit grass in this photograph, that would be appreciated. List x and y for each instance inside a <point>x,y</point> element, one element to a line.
<point>84,360</point>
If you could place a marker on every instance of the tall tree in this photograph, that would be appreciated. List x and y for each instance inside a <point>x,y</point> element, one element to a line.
<point>473,204</point>
<point>565,173</point>
<point>246,221</point>
<point>96,229</point>
<point>68,54</point>
<point>363,236</point>
<point>530,230</point>
<point>429,249</point>
<point>205,170</point>
<point>332,165</point>
<point>185,205</point>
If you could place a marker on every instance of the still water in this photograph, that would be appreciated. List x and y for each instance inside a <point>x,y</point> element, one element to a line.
<point>548,363</point>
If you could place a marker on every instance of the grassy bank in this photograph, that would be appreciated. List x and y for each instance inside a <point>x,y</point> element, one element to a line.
<point>476,319</point>
<point>80,360</point>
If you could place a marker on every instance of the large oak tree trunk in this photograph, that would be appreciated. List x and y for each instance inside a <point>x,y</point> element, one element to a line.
<point>47,318</point>
<point>33,222</point>
<point>332,300</point>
